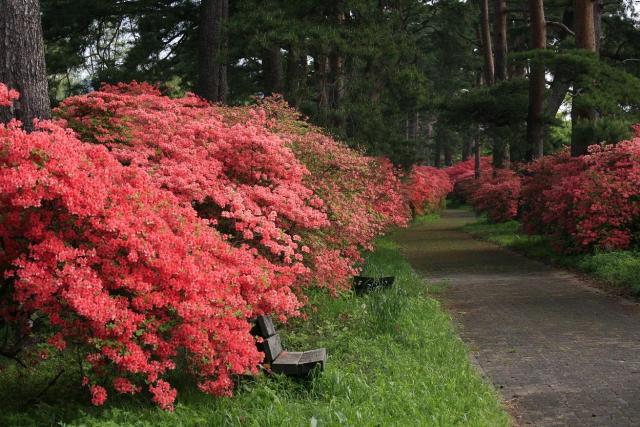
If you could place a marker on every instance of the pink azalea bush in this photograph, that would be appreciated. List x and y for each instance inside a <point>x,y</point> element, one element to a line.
<point>462,175</point>
<point>7,96</point>
<point>428,188</point>
<point>158,228</point>
<point>118,267</point>
<point>586,202</point>
<point>497,195</point>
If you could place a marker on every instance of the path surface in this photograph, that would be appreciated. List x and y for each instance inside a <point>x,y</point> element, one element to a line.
<point>560,353</point>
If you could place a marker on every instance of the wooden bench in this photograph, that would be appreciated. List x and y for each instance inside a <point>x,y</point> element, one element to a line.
<point>294,363</point>
<point>364,284</point>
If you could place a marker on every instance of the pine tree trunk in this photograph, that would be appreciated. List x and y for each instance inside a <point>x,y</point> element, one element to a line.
<point>322,70</point>
<point>295,72</point>
<point>273,71</point>
<point>583,116</point>
<point>448,157</point>
<point>22,64</point>
<point>437,154</point>
<point>537,84</point>
<point>487,47</point>
<point>212,79</point>
<point>477,158</point>
<point>467,148</point>
<point>500,36</point>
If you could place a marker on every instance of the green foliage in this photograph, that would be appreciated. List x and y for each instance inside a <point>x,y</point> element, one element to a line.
<point>620,268</point>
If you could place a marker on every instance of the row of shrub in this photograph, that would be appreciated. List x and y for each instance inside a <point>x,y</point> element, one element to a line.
<point>582,203</point>
<point>138,230</point>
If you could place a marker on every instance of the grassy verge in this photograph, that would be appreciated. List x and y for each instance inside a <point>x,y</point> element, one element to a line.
<point>394,360</point>
<point>620,269</point>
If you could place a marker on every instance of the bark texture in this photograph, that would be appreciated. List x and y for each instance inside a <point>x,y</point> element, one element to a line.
<point>273,71</point>
<point>585,28</point>
<point>212,79</point>
<point>22,64</point>
<point>500,36</point>
<point>487,47</point>
<point>535,118</point>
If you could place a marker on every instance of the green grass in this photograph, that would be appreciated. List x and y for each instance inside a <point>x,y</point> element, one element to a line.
<point>427,219</point>
<point>394,360</point>
<point>618,269</point>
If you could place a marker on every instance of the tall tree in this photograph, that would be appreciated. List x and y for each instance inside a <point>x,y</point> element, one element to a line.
<point>582,116</point>
<point>537,83</point>
<point>273,70</point>
<point>500,38</point>
<point>487,46</point>
<point>22,63</point>
<point>212,73</point>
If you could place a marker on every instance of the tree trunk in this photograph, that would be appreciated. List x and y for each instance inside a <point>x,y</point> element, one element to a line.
<point>321,62</point>
<point>212,78</point>
<point>585,28</point>
<point>437,154</point>
<point>477,154</point>
<point>448,158</point>
<point>487,47</point>
<point>296,74</point>
<point>273,71</point>
<point>467,148</point>
<point>583,116</point>
<point>500,36</point>
<point>537,84</point>
<point>22,64</point>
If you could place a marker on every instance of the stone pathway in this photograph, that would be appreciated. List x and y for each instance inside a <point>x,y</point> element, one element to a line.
<point>561,353</point>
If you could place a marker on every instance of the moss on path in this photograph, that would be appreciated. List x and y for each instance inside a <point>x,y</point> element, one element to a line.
<point>561,353</point>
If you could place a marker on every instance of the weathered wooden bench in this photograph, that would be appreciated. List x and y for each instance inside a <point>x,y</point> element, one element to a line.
<point>363,284</point>
<point>294,363</point>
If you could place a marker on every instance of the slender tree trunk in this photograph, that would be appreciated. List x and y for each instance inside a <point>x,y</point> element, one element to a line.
<point>273,71</point>
<point>487,47</point>
<point>500,38</point>
<point>583,116</point>
<point>212,78</point>
<point>22,64</point>
<point>537,84</point>
<point>448,157</point>
<point>322,69</point>
<point>467,148</point>
<point>437,154</point>
<point>296,75</point>
<point>477,154</point>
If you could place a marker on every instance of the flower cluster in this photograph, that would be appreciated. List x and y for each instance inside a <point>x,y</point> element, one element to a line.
<point>139,228</point>
<point>587,202</point>
<point>7,96</point>
<point>497,195</point>
<point>118,267</point>
<point>428,188</point>
<point>462,176</point>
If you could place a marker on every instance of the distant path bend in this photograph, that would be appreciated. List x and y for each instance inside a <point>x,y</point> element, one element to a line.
<point>561,353</point>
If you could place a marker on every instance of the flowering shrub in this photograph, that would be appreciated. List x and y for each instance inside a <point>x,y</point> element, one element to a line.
<point>462,175</point>
<point>97,256</point>
<point>587,202</point>
<point>497,195</point>
<point>265,178</point>
<point>363,196</point>
<point>427,189</point>
<point>172,225</point>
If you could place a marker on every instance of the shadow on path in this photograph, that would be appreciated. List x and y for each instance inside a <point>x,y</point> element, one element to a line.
<point>560,352</point>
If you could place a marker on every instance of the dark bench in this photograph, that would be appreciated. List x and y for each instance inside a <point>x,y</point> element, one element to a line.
<point>294,363</point>
<point>363,284</point>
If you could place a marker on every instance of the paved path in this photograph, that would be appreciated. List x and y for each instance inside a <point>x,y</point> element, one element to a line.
<point>560,353</point>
